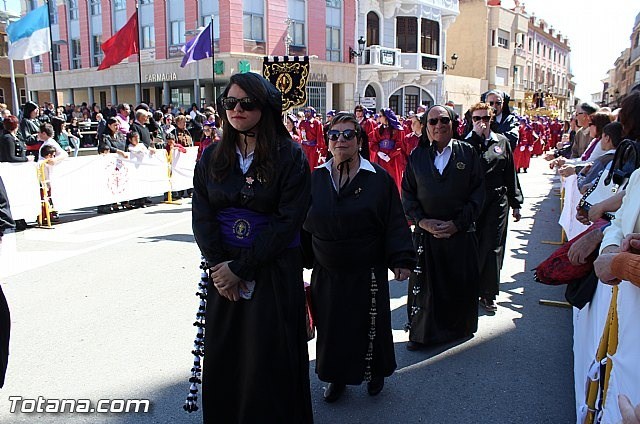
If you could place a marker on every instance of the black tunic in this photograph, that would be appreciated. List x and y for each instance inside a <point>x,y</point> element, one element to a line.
<point>503,191</point>
<point>12,149</point>
<point>6,222</point>
<point>256,365</point>
<point>448,298</point>
<point>360,229</point>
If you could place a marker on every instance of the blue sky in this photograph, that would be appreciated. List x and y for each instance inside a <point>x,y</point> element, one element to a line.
<point>598,31</point>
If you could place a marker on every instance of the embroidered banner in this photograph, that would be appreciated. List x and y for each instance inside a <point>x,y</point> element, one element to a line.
<point>288,74</point>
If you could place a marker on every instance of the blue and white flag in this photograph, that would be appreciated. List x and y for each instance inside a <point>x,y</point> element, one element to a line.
<point>199,47</point>
<point>29,36</point>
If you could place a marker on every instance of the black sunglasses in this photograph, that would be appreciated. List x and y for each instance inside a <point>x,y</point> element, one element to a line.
<point>485,118</point>
<point>347,134</point>
<point>497,102</point>
<point>443,120</point>
<point>246,103</point>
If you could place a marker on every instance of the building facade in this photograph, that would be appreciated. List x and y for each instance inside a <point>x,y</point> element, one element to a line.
<point>401,56</point>
<point>244,32</point>
<point>6,91</point>
<point>626,71</point>
<point>507,50</point>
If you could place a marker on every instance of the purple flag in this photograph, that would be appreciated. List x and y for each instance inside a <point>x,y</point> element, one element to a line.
<point>199,47</point>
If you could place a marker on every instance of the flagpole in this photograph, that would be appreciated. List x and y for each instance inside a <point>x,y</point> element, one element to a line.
<point>53,68</point>
<point>213,62</point>
<point>139,93</point>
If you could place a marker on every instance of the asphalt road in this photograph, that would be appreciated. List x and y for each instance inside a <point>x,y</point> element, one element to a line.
<point>102,308</point>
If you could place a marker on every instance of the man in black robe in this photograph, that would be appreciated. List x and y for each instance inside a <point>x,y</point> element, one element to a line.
<point>502,191</point>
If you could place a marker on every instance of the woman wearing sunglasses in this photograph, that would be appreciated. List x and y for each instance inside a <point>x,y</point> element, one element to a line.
<point>443,192</point>
<point>251,193</point>
<point>359,231</point>
<point>502,192</point>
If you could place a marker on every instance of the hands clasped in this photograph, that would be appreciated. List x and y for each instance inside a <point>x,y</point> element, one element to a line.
<point>226,282</point>
<point>438,228</point>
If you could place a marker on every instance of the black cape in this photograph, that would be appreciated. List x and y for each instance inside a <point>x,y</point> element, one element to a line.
<point>256,365</point>
<point>359,230</point>
<point>503,191</point>
<point>448,299</point>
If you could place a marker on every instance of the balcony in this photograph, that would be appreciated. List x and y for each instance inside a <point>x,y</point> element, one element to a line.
<point>520,52</point>
<point>382,57</point>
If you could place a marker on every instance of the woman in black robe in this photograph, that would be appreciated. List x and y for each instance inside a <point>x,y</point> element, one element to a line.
<point>443,192</point>
<point>502,191</point>
<point>358,232</point>
<point>251,193</point>
<point>6,223</point>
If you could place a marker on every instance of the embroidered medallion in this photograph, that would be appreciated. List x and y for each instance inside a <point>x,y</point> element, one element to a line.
<point>241,229</point>
<point>497,149</point>
<point>460,165</point>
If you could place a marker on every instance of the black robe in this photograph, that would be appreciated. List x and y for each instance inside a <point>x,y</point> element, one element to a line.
<point>503,191</point>
<point>6,223</point>
<point>448,299</point>
<point>359,230</point>
<point>256,365</point>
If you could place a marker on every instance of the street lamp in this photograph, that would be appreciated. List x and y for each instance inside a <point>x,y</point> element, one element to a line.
<point>357,54</point>
<point>454,60</point>
<point>196,83</point>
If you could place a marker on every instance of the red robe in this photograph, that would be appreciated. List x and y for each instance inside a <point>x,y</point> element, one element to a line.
<point>312,141</point>
<point>522,152</point>
<point>410,143</point>
<point>538,144</point>
<point>392,145</point>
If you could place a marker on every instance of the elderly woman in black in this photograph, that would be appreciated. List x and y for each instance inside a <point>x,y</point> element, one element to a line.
<point>358,232</point>
<point>443,192</point>
<point>12,149</point>
<point>251,193</point>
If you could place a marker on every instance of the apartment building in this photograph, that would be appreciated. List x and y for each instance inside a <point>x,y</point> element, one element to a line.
<point>6,92</point>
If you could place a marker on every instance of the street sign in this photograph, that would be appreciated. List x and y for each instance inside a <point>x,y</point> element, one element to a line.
<point>368,102</point>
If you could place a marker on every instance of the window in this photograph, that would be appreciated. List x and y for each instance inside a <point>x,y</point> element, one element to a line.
<point>96,7</point>
<point>53,14</point>
<point>503,39</point>
<point>181,96</point>
<point>253,19</point>
<point>636,40</point>
<point>538,47</point>
<point>430,37</point>
<point>502,76</point>
<point>216,24</point>
<point>73,10</point>
<point>23,96</point>
<point>177,33</point>
<point>1,95</point>
<point>4,45</point>
<point>410,102</point>
<point>544,50</point>
<point>373,29</point>
<point>530,44</point>
<point>96,42</point>
<point>407,34</point>
<point>148,37</point>
<point>317,96</point>
<point>296,30</point>
<point>120,4</point>
<point>146,1</point>
<point>333,31</point>
<point>76,62</point>
<point>57,63</point>
<point>36,64</point>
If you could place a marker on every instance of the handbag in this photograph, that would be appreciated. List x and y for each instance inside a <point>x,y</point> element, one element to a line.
<point>614,177</point>
<point>557,269</point>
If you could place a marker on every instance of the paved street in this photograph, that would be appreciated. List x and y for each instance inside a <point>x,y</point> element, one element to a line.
<point>102,308</point>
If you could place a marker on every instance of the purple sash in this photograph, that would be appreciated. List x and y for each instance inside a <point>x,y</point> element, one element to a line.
<point>387,144</point>
<point>311,143</point>
<point>239,227</point>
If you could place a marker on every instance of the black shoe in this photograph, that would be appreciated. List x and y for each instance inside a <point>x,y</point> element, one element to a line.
<point>333,392</point>
<point>412,346</point>
<point>375,385</point>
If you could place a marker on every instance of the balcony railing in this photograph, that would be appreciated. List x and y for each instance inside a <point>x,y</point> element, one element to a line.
<point>382,56</point>
<point>520,52</point>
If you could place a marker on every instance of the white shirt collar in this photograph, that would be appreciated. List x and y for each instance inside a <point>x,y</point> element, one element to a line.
<point>364,165</point>
<point>447,147</point>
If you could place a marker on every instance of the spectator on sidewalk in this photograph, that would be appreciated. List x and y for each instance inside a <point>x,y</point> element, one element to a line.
<point>29,127</point>
<point>45,135</point>
<point>12,149</point>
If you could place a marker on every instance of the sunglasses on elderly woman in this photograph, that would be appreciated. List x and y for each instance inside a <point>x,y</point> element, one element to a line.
<point>485,118</point>
<point>497,102</point>
<point>334,135</point>
<point>443,120</point>
<point>246,103</point>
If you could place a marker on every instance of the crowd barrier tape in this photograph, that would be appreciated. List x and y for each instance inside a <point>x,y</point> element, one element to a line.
<point>89,181</point>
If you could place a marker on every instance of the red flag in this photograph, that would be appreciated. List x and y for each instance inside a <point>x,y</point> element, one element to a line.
<point>493,2</point>
<point>122,44</point>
